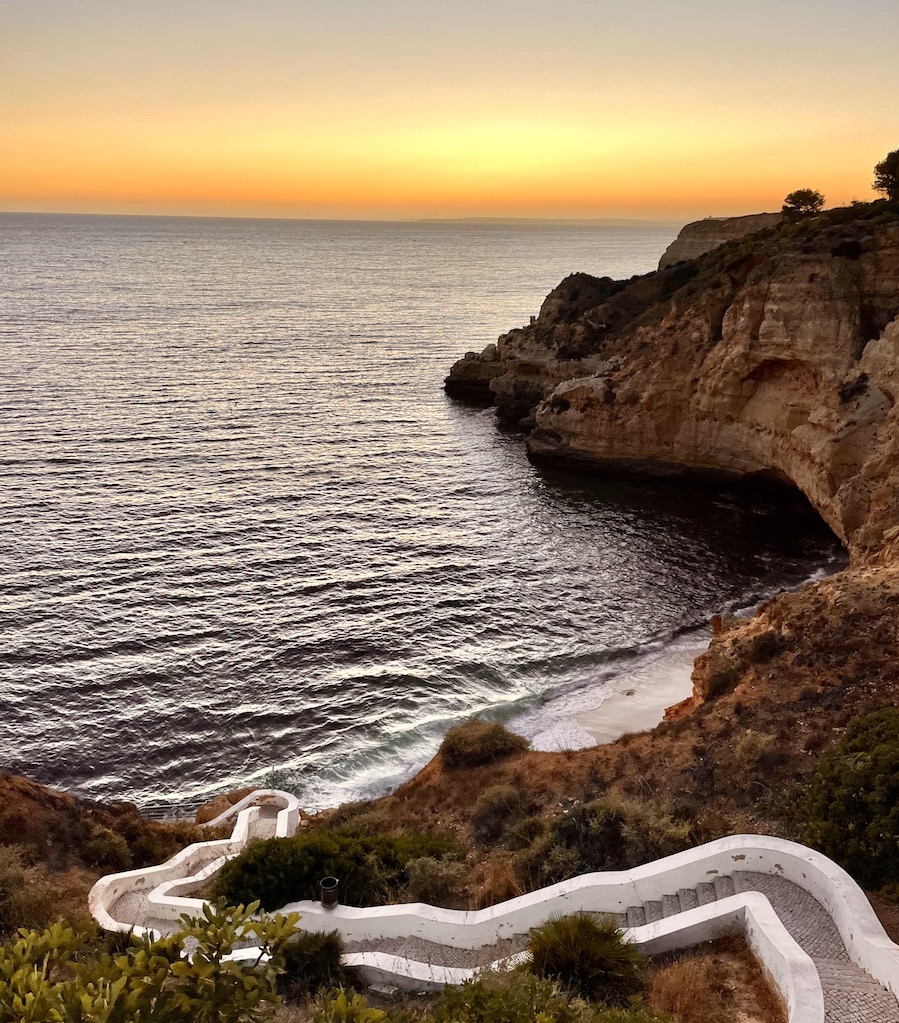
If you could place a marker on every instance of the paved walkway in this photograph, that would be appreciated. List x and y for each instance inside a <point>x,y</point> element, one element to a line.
<point>850,994</point>
<point>133,908</point>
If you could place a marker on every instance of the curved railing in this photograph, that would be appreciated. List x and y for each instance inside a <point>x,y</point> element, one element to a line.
<point>192,866</point>
<point>168,887</point>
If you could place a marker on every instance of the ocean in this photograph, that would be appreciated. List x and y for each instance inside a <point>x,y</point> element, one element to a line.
<point>245,537</point>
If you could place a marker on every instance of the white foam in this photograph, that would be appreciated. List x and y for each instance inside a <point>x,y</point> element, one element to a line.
<point>553,725</point>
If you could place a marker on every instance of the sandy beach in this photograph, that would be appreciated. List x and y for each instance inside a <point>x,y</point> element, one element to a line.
<point>638,698</point>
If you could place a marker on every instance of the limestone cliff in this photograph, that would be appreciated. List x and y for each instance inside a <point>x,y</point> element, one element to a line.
<point>702,236</point>
<point>774,356</point>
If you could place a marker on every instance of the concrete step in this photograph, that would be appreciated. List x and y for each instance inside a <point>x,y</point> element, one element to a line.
<point>705,892</point>
<point>687,898</point>
<point>724,886</point>
<point>653,911</point>
<point>636,916</point>
<point>670,905</point>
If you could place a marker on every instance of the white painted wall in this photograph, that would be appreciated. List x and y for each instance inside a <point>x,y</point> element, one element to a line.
<point>750,913</point>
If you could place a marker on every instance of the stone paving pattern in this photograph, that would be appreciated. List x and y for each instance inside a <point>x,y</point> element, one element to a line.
<point>421,951</point>
<point>851,995</point>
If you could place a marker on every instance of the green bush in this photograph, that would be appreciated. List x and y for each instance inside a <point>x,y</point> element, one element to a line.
<point>525,832</point>
<point>370,868</point>
<point>510,998</point>
<point>434,881</point>
<point>340,1006</point>
<point>588,957</point>
<point>126,838</point>
<point>479,742</point>
<point>852,808</point>
<point>49,976</point>
<point>312,962</point>
<point>603,835</point>
<point>107,848</point>
<point>495,811</point>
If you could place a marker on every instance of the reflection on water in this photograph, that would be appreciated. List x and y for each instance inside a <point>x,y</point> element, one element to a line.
<point>242,527</point>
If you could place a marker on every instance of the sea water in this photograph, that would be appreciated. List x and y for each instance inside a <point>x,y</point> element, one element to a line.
<point>244,531</point>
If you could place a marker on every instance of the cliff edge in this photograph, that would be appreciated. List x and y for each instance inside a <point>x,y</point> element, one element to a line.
<point>702,236</point>
<point>776,355</point>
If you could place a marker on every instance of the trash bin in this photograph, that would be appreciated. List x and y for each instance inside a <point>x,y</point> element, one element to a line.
<point>330,892</point>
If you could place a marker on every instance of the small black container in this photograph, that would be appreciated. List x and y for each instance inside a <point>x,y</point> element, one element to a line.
<point>330,892</point>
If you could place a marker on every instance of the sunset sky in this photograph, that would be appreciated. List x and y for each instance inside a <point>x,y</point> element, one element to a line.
<point>659,109</point>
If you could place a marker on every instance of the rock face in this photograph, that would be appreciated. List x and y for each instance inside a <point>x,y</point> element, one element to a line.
<point>777,358</point>
<point>702,236</point>
<point>773,356</point>
<point>470,377</point>
<point>216,806</point>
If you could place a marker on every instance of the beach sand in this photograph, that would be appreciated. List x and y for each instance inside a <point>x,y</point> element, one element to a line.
<point>638,698</point>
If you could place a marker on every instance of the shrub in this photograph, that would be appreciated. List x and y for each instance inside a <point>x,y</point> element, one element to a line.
<point>146,842</point>
<point>741,764</point>
<point>340,1007</point>
<point>509,998</point>
<point>106,848</point>
<point>364,817</point>
<point>495,811</point>
<point>589,957</point>
<point>434,881</point>
<point>611,834</point>
<point>47,976</point>
<point>853,801</point>
<point>283,870</point>
<point>765,645</point>
<point>312,961</point>
<point>493,880</point>
<point>525,832</point>
<point>25,901</point>
<point>479,742</point>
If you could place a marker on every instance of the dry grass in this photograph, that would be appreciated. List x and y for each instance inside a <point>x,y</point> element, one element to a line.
<point>721,982</point>
<point>493,880</point>
<point>886,906</point>
<point>284,1013</point>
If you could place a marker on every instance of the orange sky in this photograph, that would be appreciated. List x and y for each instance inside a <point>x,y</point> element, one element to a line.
<point>395,108</point>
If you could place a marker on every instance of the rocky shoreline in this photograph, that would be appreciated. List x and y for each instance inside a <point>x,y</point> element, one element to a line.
<point>778,353</point>
<point>772,358</point>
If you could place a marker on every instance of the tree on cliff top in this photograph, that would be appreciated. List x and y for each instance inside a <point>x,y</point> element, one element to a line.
<point>886,176</point>
<point>802,203</point>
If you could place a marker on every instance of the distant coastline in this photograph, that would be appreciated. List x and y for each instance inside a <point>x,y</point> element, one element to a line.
<point>551,221</point>
<point>621,222</point>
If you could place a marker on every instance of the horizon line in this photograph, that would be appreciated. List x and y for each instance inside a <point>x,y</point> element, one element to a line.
<point>560,221</point>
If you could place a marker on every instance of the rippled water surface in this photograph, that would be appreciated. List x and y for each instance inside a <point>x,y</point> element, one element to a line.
<point>243,529</point>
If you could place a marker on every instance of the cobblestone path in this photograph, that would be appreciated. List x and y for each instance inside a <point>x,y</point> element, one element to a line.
<point>851,995</point>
